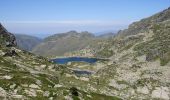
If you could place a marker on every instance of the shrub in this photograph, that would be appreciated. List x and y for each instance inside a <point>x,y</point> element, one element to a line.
<point>74,91</point>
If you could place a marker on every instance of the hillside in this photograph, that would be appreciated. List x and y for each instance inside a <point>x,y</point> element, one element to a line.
<point>59,44</point>
<point>107,35</point>
<point>27,42</point>
<point>144,24</point>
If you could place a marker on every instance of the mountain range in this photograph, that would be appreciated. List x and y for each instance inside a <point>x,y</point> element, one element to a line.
<point>60,44</point>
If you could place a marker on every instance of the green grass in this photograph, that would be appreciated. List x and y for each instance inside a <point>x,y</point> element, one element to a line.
<point>45,80</point>
<point>104,97</point>
<point>123,82</point>
<point>105,53</point>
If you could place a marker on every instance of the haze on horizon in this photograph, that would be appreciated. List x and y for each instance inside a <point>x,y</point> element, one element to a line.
<point>42,17</point>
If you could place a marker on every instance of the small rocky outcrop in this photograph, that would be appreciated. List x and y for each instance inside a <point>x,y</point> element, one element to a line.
<point>11,53</point>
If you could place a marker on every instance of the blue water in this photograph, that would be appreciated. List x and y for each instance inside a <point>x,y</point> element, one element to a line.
<point>74,59</point>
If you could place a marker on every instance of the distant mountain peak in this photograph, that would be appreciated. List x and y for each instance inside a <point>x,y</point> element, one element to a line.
<point>72,32</point>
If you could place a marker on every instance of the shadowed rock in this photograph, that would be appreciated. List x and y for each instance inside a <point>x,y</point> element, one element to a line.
<point>6,38</point>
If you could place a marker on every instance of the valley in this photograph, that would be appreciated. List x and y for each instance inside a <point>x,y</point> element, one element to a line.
<point>133,64</point>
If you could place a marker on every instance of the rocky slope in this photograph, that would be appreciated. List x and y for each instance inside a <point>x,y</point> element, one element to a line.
<point>139,65</point>
<point>144,24</point>
<point>27,42</point>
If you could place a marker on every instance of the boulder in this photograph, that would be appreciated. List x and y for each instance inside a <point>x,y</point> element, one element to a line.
<point>161,93</point>
<point>46,94</point>
<point>143,90</point>
<point>34,86</point>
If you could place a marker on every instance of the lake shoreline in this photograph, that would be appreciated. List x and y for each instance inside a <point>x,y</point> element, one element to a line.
<point>65,60</point>
<point>80,57</point>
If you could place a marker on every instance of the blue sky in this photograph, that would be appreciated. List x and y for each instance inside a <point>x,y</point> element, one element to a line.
<point>54,16</point>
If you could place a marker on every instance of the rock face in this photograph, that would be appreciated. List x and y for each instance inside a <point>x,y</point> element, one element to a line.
<point>6,38</point>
